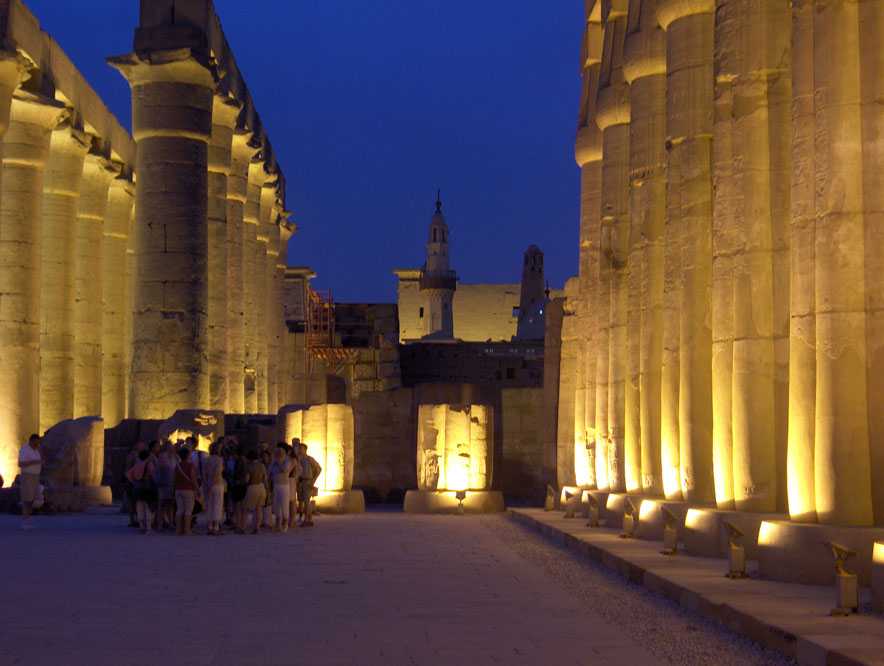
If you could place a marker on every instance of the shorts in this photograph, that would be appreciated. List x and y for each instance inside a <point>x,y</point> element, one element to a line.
<point>27,490</point>
<point>305,490</point>
<point>256,496</point>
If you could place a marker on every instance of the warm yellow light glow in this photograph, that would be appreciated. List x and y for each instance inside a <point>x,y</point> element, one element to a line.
<point>671,474</point>
<point>767,533</point>
<point>647,509</point>
<point>202,441</point>
<point>569,490</point>
<point>878,552</point>
<point>693,518</point>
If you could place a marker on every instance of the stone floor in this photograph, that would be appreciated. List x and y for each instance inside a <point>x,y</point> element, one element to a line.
<point>377,588</point>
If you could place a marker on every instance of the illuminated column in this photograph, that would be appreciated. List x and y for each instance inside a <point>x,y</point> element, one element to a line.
<point>612,117</point>
<point>588,152</point>
<point>479,423</point>
<point>251,217</point>
<point>761,136</point>
<point>285,233</point>
<point>728,35</point>
<point>88,309</point>
<point>602,350</point>
<point>237,194</point>
<point>61,194</point>
<point>224,113</point>
<point>172,121</point>
<point>689,125</point>
<point>273,313</point>
<point>802,321</point>
<point>263,287</point>
<point>129,317</point>
<point>846,87</point>
<point>644,68</point>
<point>117,227</point>
<point>25,149</point>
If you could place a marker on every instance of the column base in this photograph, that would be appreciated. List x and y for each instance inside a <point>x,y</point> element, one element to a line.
<point>77,498</point>
<point>797,552</point>
<point>652,520</point>
<point>444,501</point>
<point>705,534</point>
<point>341,501</point>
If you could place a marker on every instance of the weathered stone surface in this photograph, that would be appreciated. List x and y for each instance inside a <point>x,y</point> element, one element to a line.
<point>73,453</point>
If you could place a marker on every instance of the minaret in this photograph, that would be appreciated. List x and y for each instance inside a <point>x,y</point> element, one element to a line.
<point>533,298</point>
<point>438,281</point>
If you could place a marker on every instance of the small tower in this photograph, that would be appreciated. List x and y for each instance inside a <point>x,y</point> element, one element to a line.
<point>533,298</point>
<point>438,281</point>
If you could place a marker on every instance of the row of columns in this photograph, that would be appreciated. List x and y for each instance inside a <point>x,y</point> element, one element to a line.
<point>729,336</point>
<point>208,216</point>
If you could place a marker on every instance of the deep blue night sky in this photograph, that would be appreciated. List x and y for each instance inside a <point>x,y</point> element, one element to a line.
<point>372,104</point>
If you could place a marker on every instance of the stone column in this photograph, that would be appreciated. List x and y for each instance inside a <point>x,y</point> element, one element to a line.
<point>762,95</point>
<point>61,195</point>
<point>285,234</point>
<point>644,68</point>
<point>237,194</point>
<point>224,114</point>
<point>846,87</point>
<point>172,120</point>
<point>251,217</point>
<point>25,149</point>
<point>588,152</point>
<point>273,314</point>
<point>129,317</point>
<point>689,125</point>
<point>612,117</point>
<point>262,289</point>
<point>115,287</point>
<point>802,320</point>
<point>98,172</point>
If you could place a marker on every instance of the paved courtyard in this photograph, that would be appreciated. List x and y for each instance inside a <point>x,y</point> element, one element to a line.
<point>379,588</point>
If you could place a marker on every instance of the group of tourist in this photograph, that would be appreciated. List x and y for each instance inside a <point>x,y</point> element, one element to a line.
<point>240,488</point>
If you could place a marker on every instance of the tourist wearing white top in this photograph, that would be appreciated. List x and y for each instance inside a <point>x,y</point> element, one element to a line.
<point>31,463</point>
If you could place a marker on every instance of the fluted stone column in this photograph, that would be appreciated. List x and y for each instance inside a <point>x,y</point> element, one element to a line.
<point>263,288</point>
<point>588,152</point>
<point>129,318</point>
<point>755,238</point>
<point>612,117</point>
<point>802,321</point>
<point>224,114</point>
<point>237,194</point>
<point>61,195</point>
<point>251,217</point>
<point>847,88</point>
<point>274,314</point>
<point>25,149</point>
<point>285,234</point>
<point>644,68</point>
<point>172,96</point>
<point>690,32</point>
<point>115,288</point>
<point>88,309</point>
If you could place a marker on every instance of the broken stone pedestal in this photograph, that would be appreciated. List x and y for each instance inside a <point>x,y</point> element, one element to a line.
<point>73,464</point>
<point>341,501</point>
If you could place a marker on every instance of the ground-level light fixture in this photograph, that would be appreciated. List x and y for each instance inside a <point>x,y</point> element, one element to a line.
<point>593,512</point>
<point>461,495</point>
<point>670,531</point>
<point>736,552</point>
<point>630,519</point>
<point>846,583</point>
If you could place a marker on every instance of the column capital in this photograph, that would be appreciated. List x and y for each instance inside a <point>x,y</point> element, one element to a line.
<point>669,11</point>
<point>613,106</point>
<point>171,66</point>
<point>100,166</point>
<point>33,109</point>
<point>225,111</point>
<point>644,54</point>
<point>588,146</point>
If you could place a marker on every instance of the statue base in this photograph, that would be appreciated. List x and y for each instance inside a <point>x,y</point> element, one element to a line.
<point>705,534</point>
<point>341,501</point>
<point>652,520</point>
<point>797,552</point>
<point>444,501</point>
<point>78,498</point>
